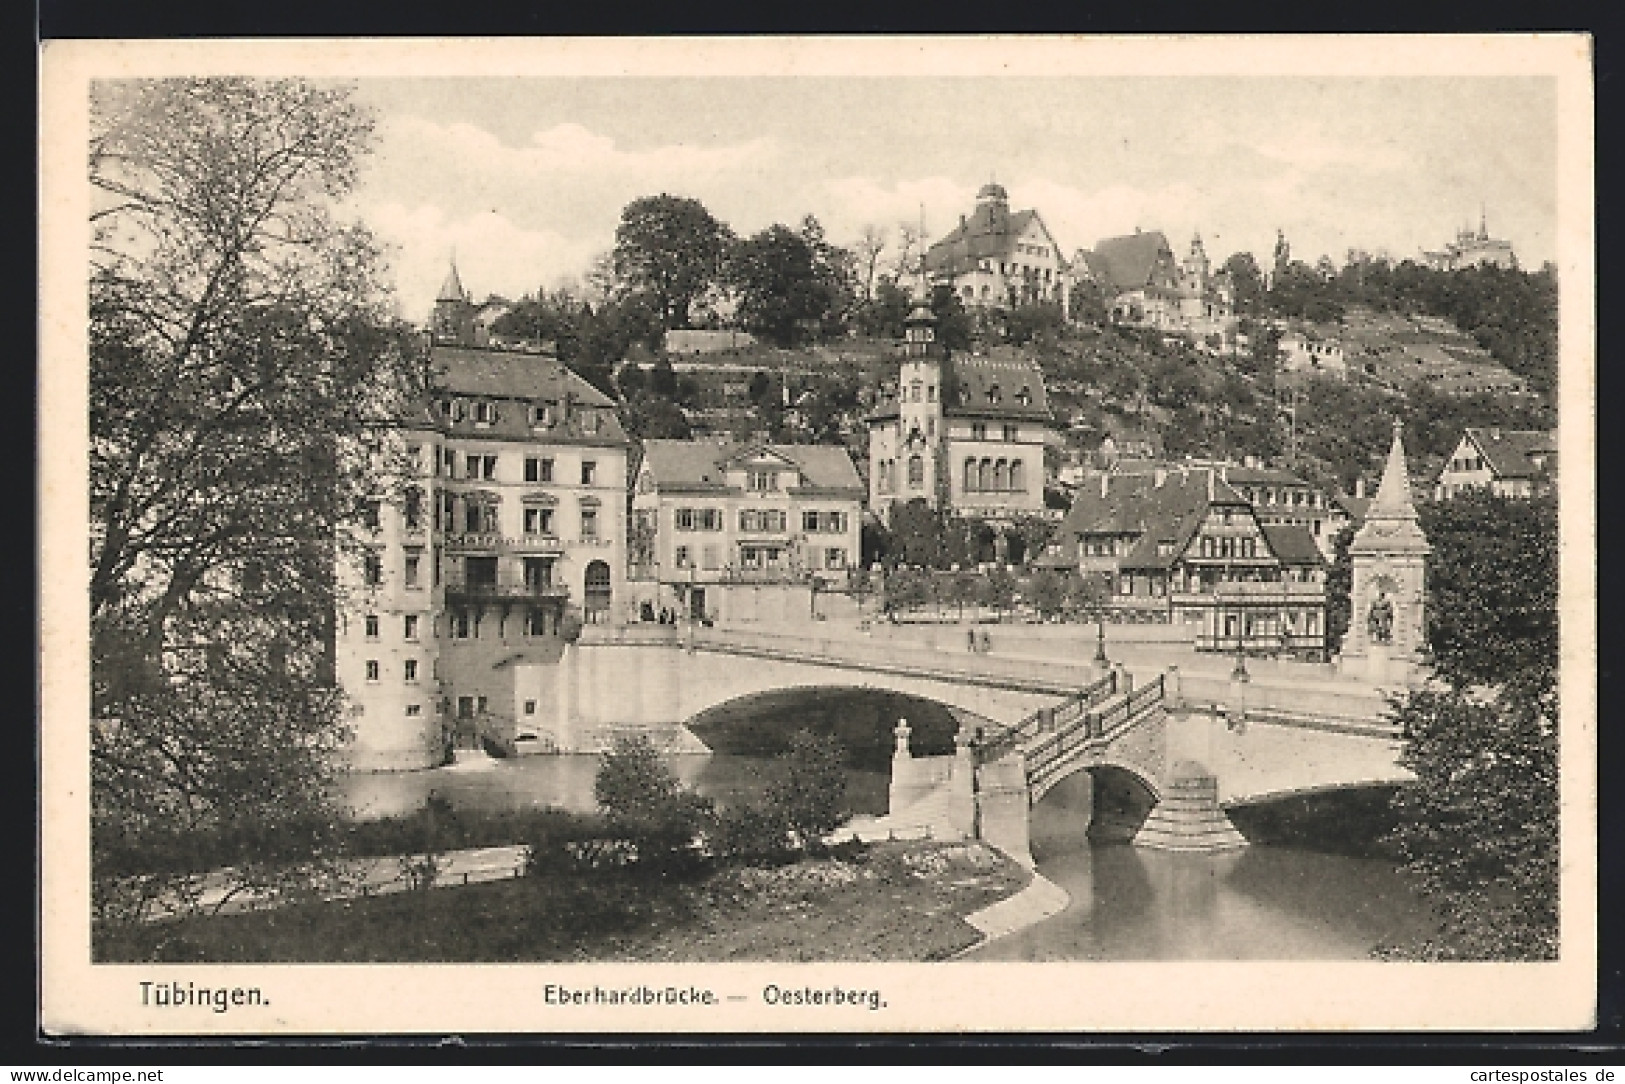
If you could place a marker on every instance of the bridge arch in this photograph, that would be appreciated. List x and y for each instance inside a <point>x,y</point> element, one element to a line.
<point>1116,798</point>
<point>862,717</point>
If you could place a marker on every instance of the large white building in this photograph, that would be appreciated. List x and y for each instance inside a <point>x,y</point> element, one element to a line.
<point>996,258</point>
<point>967,434</point>
<point>1470,249</point>
<point>502,525</point>
<point>715,523</point>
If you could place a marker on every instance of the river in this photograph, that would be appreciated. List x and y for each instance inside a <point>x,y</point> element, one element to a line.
<point>1260,903</point>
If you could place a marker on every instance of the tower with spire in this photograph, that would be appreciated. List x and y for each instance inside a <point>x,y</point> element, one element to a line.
<point>453,321</point>
<point>1387,635</point>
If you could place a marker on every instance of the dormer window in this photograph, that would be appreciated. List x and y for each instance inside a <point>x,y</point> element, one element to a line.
<point>993,393</point>
<point>485,412</point>
<point>1024,396</point>
<point>541,416</point>
<point>589,421</point>
<point>762,481</point>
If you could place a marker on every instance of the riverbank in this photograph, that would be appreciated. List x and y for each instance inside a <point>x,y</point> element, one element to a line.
<point>898,902</point>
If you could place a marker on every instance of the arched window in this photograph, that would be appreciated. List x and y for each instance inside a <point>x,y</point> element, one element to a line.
<point>1017,481</point>
<point>596,592</point>
<point>971,478</point>
<point>984,475</point>
<point>914,391</point>
<point>1000,481</point>
<point>916,472</point>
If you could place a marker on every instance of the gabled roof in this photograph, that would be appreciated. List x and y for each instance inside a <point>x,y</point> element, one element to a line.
<point>703,464</point>
<point>1134,504</point>
<point>990,232</point>
<point>1130,259</point>
<point>1510,452</point>
<point>1292,545</point>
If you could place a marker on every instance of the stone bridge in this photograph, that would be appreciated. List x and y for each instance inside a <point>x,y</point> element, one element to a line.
<point>1166,750</point>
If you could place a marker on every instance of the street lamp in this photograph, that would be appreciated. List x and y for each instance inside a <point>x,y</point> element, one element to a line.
<point>1100,638</point>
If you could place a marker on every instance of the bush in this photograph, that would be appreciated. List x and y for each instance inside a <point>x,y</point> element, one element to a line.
<point>752,835</point>
<point>648,808</point>
<point>808,789</point>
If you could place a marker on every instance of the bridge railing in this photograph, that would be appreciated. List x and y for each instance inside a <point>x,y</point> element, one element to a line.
<point>1008,739</point>
<point>860,653</point>
<point>1096,725</point>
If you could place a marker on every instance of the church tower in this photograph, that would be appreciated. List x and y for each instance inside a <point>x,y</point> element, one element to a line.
<point>453,320</point>
<point>1387,635</point>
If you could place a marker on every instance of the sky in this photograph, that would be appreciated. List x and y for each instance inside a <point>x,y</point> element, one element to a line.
<point>524,179</point>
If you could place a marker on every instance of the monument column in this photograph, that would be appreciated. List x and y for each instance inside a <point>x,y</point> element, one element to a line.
<point>1386,640</point>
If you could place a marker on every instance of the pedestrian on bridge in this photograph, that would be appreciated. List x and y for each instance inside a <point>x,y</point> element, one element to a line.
<point>970,639</point>
<point>987,642</point>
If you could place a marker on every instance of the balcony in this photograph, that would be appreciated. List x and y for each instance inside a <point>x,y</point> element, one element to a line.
<point>1251,592</point>
<point>487,543</point>
<point>512,587</point>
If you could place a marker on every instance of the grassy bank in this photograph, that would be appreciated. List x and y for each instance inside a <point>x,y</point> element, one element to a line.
<point>895,902</point>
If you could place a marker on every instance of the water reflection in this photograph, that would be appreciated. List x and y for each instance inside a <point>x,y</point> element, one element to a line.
<point>1261,903</point>
<point>566,782</point>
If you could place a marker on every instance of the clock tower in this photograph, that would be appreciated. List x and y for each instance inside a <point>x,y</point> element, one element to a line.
<point>1387,634</point>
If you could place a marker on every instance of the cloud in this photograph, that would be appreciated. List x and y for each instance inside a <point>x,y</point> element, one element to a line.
<point>494,254</point>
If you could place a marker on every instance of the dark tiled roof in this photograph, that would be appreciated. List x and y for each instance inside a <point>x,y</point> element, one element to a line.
<point>976,377</point>
<point>1262,476</point>
<point>1130,260</point>
<point>1292,545</point>
<point>1135,505</point>
<point>702,464</point>
<point>1510,452</point>
<point>510,374</point>
<point>989,233</point>
<point>520,378</point>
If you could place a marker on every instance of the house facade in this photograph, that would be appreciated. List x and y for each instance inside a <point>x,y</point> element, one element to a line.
<point>966,433</point>
<point>714,522</point>
<point>1146,285</point>
<point>502,524</point>
<point>1185,547</point>
<point>996,258</point>
<point>1506,462</point>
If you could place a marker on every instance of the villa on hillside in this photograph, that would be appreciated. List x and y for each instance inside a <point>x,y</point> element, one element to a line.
<point>997,258</point>
<point>1145,285</point>
<point>1471,249</point>
<point>1506,462</point>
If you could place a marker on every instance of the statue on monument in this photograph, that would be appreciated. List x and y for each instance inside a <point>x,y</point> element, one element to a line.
<point>1379,622</point>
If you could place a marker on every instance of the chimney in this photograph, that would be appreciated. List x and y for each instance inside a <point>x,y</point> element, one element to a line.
<point>1105,480</point>
<point>1210,485</point>
<point>1359,489</point>
<point>961,221</point>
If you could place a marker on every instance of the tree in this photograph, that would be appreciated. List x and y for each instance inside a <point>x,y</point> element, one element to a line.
<point>672,248</point>
<point>1480,825</point>
<point>953,322</point>
<point>868,251</point>
<point>245,381</point>
<point>647,805</point>
<point>1246,280</point>
<point>807,791</point>
<point>1339,585</point>
<point>1492,588</point>
<point>788,282</point>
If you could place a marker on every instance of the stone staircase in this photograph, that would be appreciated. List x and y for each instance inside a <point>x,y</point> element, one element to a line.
<point>1188,818</point>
